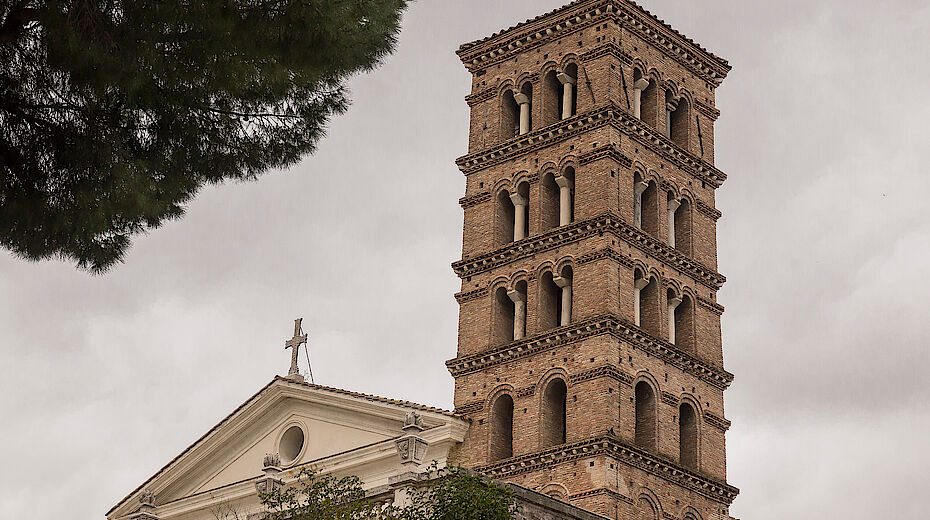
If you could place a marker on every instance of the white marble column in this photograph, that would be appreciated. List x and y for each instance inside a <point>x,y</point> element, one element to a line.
<point>566,285</point>
<point>638,189</point>
<point>673,206</point>
<point>565,199</point>
<point>638,285</point>
<point>568,86</point>
<point>673,304</point>
<point>519,216</point>
<point>638,87</point>
<point>524,101</point>
<point>519,314</point>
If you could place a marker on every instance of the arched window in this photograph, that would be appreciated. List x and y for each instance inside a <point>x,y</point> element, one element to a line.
<point>504,219</point>
<point>645,436</point>
<point>645,510</point>
<point>569,79</point>
<point>502,328</point>
<point>510,116</point>
<point>682,227</point>
<point>640,84</point>
<point>566,183</point>
<point>688,436</point>
<point>551,98</point>
<point>683,324</point>
<point>501,445</point>
<point>679,121</point>
<point>650,209</point>
<point>650,104</point>
<point>550,302</point>
<point>554,413</point>
<point>646,302</point>
<point>548,203</point>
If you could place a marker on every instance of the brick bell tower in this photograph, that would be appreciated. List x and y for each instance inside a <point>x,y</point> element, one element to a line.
<point>589,358</point>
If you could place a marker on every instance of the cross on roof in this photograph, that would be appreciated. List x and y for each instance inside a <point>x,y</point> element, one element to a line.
<point>294,343</point>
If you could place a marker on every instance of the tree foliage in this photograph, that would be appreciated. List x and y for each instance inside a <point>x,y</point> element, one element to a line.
<point>452,494</point>
<point>114,113</point>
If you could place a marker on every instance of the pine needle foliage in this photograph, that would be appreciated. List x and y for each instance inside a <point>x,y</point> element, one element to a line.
<point>114,113</point>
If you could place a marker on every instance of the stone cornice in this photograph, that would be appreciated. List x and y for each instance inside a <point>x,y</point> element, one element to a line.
<point>713,213</point>
<point>482,95</point>
<point>592,119</point>
<point>602,491</point>
<point>463,297</point>
<point>714,306</point>
<point>576,231</point>
<point>717,422</point>
<point>611,150</point>
<point>632,456</point>
<point>709,111</point>
<point>600,371</point>
<point>474,200</point>
<point>561,22</point>
<point>601,254</point>
<point>470,408</point>
<point>607,48</point>
<point>596,326</point>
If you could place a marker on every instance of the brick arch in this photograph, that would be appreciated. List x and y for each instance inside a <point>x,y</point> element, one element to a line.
<point>521,176</point>
<point>648,506</point>
<point>500,406</point>
<point>553,407</point>
<point>519,276</point>
<point>646,398</point>
<point>568,161</point>
<point>555,490</point>
<point>570,59</point>
<point>690,513</point>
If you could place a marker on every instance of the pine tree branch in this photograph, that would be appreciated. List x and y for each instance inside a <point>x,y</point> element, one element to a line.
<point>17,20</point>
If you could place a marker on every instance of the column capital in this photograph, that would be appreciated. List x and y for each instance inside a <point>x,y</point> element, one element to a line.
<point>564,182</point>
<point>565,78</point>
<point>518,200</point>
<point>674,302</point>
<point>562,282</point>
<point>641,84</point>
<point>521,98</point>
<point>516,296</point>
<point>640,187</point>
<point>640,283</point>
<point>674,204</point>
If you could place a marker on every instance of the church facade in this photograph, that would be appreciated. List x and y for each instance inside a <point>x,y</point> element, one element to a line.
<point>589,369</point>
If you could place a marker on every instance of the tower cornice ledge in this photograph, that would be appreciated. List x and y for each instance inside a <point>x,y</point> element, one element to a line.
<point>632,456</point>
<point>605,223</point>
<point>598,116</point>
<point>483,53</point>
<point>599,325</point>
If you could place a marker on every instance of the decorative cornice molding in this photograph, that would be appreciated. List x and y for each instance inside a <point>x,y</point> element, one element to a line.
<point>463,297</point>
<point>714,306</point>
<point>474,200</point>
<point>718,491</point>
<point>597,117</point>
<point>608,48</point>
<point>717,422</point>
<point>709,111</point>
<point>670,399</point>
<point>480,54</point>
<point>482,95</point>
<point>470,408</point>
<point>601,254</point>
<point>603,491</point>
<point>596,326</point>
<point>598,372</point>
<point>610,150</point>
<point>713,213</point>
<point>605,223</point>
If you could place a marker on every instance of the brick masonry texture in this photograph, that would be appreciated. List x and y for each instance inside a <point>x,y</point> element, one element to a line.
<point>618,377</point>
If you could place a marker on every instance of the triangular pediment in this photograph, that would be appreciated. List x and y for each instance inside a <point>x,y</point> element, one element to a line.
<point>304,423</point>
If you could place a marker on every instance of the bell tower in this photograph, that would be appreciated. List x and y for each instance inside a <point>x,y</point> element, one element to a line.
<point>589,359</point>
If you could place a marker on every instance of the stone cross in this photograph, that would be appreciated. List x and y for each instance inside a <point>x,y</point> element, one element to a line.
<point>294,343</point>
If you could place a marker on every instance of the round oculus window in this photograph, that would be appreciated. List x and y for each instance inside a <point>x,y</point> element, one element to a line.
<point>292,443</point>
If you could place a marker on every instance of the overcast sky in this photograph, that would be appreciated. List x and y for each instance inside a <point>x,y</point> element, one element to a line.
<point>825,243</point>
